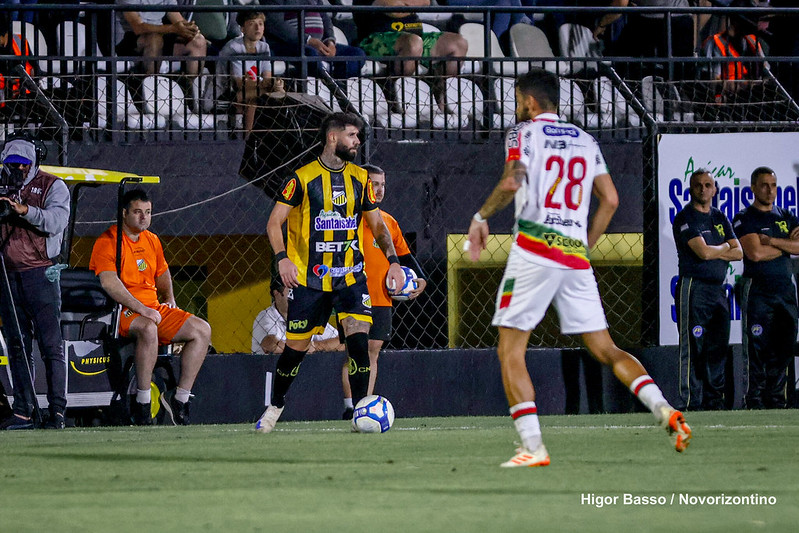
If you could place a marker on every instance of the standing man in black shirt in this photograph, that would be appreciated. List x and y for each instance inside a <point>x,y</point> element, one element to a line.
<point>769,235</point>
<point>705,246</point>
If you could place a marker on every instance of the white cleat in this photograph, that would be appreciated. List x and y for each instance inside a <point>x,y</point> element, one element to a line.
<point>268,420</point>
<point>523,457</point>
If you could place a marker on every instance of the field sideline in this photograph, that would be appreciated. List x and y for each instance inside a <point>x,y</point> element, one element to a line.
<point>426,474</point>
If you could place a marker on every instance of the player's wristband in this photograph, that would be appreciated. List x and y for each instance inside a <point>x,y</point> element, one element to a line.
<point>281,256</point>
<point>478,218</point>
<point>393,260</point>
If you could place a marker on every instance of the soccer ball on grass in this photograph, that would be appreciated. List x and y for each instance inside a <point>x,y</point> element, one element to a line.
<point>373,414</point>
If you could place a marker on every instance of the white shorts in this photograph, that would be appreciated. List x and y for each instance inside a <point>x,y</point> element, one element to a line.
<point>528,288</point>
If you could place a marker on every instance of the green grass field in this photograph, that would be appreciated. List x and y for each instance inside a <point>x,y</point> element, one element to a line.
<point>426,474</point>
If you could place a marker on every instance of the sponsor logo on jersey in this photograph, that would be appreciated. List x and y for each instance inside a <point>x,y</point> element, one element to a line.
<point>783,226</point>
<point>556,220</point>
<point>141,265</point>
<point>333,221</point>
<point>339,198</point>
<point>289,189</point>
<point>295,325</point>
<point>513,145</point>
<point>370,192</point>
<point>697,331</point>
<point>337,246</point>
<point>567,244</point>
<point>719,229</point>
<point>336,272</point>
<point>560,131</point>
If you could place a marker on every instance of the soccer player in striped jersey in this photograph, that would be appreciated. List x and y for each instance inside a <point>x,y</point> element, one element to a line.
<point>321,260</point>
<point>551,169</point>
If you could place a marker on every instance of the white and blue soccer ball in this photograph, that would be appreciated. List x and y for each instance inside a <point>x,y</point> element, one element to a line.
<point>404,292</point>
<point>373,414</point>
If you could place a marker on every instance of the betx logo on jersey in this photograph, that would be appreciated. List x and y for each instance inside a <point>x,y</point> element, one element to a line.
<point>341,246</point>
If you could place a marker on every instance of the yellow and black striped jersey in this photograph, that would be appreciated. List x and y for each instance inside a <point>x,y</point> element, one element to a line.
<point>324,229</point>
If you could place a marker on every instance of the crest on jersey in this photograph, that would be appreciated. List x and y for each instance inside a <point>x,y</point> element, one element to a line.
<point>289,189</point>
<point>339,198</point>
<point>370,192</point>
<point>141,265</point>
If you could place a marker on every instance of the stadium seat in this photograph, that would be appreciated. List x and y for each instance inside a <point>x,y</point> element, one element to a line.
<point>530,41</point>
<point>71,38</point>
<point>164,98</point>
<point>317,87</point>
<point>475,36</point>
<point>464,101</point>
<point>612,107</point>
<point>505,94</point>
<point>577,41</point>
<point>127,112</point>
<point>652,98</point>
<point>368,99</point>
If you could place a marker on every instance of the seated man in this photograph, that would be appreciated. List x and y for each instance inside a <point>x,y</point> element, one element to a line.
<point>145,34</point>
<point>320,41</point>
<point>400,34</point>
<point>144,276</point>
<point>250,78</point>
<point>269,328</point>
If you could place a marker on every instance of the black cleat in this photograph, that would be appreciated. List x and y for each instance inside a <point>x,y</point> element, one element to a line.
<point>56,421</point>
<point>142,414</point>
<point>348,412</point>
<point>15,422</point>
<point>177,412</point>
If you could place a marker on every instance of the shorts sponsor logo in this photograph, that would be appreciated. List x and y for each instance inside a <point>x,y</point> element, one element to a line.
<point>128,313</point>
<point>555,219</point>
<point>757,330</point>
<point>141,265</point>
<point>366,300</point>
<point>290,294</point>
<point>295,325</point>
<point>333,221</point>
<point>336,272</point>
<point>560,131</point>
<point>289,189</point>
<point>697,331</point>
<point>567,244</point>
<point>338,246</point>
<point>339,198</point>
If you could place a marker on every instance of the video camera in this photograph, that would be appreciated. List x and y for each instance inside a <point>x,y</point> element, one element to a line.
<point>12,178</point>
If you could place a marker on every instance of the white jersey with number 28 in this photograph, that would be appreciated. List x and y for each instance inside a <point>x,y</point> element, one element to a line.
<point>553,201</point>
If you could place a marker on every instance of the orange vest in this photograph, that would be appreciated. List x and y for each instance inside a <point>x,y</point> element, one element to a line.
<point>17,44</point>
<point>734,71</point>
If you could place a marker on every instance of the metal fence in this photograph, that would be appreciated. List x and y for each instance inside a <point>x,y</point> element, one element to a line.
<point>440,141</point>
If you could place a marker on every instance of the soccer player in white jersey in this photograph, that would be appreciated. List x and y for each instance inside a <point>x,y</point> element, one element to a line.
<point>551,169</point>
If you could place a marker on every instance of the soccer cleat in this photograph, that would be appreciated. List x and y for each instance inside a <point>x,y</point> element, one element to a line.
<point>268,420</point>
<point>142,414</point>
<point>539,457</point>
<point>177,412</point>
<point>674,422</point>
<point>347,414</point>
<point>16,422</point>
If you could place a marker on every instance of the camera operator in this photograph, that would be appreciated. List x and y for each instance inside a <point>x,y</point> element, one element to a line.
<point>34,210</point>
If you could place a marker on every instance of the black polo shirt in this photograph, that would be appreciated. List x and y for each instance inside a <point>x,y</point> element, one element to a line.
<point>775,223</point>
<point>715,228</point>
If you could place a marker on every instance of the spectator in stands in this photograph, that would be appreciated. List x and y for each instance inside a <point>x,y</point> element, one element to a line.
<point>738,40</point>
<point>500,22</point>
<point>24,16</point>
<point>320,41</point>
<point>400,34</point>
<point>146,34</point>
<point>11,45</point>
<point>218,27</point>
<point>269,328</point>
<point>36,213</point>
<point>250,78</point>
<point>646,35</point>
<point>144,277</point>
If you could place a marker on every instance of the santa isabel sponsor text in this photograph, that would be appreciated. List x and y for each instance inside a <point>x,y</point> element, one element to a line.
<point>599,501</point>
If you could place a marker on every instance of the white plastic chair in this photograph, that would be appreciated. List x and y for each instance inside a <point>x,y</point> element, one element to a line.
<point>36,42</point>
<point>316,87</point>
<point>125,108</point>
<point>530,41</point>
<point>475,37</point>
<point>464,101</point>
<point>164,98</point>
<point>368,99</point>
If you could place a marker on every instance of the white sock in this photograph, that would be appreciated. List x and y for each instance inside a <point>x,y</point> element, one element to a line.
<point>348,403</point>
<point>143,396</point>
<point>525,418</point>
<point>182,395</point>
<point>648,392</point>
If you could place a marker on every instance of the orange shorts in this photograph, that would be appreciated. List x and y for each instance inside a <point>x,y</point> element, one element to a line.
<point>172,319</point>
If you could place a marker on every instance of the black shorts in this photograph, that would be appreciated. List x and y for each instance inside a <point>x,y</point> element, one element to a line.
<point>381,325</point>
<point>310,309</point>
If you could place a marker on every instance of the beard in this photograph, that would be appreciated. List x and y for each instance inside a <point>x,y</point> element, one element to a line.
<point>346,154</point>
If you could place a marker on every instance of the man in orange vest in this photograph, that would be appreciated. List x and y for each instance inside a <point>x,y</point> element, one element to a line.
<point>11,45</point>
<point>738,40</point>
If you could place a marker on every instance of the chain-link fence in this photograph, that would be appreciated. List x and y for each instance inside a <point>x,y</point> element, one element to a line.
<point>439,140</point>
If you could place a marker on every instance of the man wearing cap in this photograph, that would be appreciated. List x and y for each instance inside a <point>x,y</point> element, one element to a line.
<point>36,211</point>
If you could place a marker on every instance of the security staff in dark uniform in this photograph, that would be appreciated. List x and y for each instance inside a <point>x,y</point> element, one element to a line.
<point>705,246</point>
<point>769,235</point>
<point>321,261</point>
